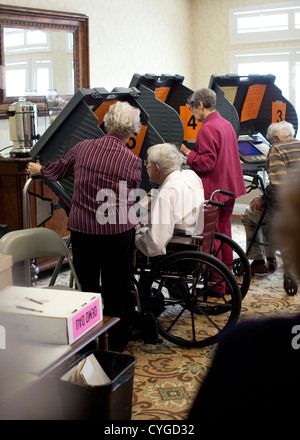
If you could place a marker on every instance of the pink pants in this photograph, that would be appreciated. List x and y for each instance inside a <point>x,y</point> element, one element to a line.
<point>224,227</point>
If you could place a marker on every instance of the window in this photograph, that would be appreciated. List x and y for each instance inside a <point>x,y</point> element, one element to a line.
<point>20,40</point>
<point>276,22</point>
<point>28,78</point>
<point>16,78</point>
<point>27,73</point>
<point>263,24</point>
<point>284,64</point>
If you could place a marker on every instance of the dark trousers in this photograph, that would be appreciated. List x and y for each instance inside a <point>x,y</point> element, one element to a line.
<point>107,258</point>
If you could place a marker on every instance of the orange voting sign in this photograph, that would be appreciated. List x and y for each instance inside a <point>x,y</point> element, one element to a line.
<point>190,125</point>
<point>161,93</point>
<point>102,109</point>
<point>135,142</point>
<point>253,102</point>
<point>278,111</point>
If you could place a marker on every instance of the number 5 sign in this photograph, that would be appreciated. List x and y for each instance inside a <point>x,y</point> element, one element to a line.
<point>190,125</point>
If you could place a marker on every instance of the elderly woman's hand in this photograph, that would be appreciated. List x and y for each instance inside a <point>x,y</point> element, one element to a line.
<point>34,169</point>
<point>184,150</point>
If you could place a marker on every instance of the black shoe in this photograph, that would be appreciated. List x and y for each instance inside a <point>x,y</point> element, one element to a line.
<point>272,264</point>
<point>134,334</point>
<point>259,267</point>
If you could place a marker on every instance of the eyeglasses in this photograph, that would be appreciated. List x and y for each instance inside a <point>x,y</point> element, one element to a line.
<point>147,164</point>
<point>192,107</point>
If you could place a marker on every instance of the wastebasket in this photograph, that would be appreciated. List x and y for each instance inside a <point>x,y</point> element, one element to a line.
<point>112,401</point>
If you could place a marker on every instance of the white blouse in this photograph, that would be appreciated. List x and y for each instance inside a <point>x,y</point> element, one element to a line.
<point>178,205</point>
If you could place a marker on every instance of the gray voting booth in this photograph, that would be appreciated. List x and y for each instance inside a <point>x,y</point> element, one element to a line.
<point>82,118</point>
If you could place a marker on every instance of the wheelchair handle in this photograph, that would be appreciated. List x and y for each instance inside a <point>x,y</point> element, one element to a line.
<point>214,203</point>
<point>222,191</point>
<point>226,193</point>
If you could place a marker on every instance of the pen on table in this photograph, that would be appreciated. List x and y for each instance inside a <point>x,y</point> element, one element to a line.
<point>27,308</point>
<point>34,300</point>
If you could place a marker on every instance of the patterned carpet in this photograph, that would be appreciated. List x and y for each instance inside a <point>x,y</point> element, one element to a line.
<point>167,377</point>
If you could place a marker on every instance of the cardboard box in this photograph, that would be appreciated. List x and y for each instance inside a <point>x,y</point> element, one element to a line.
<point>5,271</point>
<point>48,316</point>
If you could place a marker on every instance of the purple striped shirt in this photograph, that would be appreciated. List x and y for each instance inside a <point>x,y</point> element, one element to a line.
<point>103,170</point>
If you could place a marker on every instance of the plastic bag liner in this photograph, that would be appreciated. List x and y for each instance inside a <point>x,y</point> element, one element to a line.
<point>112,401</point>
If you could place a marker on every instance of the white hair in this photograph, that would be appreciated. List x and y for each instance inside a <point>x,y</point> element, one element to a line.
<point>283,129</point>
<point>166,156</point>
<point>122,119</point>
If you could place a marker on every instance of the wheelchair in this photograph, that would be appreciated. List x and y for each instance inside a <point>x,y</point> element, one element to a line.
<point>188,296</point>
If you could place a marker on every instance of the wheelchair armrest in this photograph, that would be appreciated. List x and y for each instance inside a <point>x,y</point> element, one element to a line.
<point>197,237</point>
<point>181,233</point>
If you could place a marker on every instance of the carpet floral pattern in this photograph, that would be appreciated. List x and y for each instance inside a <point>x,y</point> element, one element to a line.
<point>167,377</point>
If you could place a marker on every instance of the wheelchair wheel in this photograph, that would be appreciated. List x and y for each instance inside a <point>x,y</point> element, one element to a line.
<point>200,298</point>
<point>241,267</point>
<point>290,284</point>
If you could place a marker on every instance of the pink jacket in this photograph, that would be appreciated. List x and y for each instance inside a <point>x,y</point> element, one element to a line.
<point>216,158</point>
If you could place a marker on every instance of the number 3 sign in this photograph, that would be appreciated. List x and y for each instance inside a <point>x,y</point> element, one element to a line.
<point>190,125</point>
<point>278,111</point>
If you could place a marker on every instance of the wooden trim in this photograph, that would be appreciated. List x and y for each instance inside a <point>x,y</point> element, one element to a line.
<point>32,18</point>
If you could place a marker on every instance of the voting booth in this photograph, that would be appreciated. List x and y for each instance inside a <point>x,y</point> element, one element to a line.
<point>170,90</point>
<point>251,103</point>
<point>256,101</point>
<point>82,118</point>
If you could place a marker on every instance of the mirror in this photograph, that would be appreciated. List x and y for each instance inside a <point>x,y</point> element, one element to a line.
<point>42,54</point>
<point>38,61</point>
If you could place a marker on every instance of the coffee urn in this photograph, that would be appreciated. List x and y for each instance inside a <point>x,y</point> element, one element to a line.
<point>22,126</point>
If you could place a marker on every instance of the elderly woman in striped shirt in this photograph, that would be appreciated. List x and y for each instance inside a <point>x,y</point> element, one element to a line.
<point>103,239</point>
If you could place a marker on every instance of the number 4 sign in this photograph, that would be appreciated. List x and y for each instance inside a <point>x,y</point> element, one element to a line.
<point>190,125</point>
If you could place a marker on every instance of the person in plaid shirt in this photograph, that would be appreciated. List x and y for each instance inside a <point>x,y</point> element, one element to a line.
<point>283,160</point>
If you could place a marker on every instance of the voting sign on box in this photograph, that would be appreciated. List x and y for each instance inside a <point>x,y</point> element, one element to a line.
<point>47,315</point>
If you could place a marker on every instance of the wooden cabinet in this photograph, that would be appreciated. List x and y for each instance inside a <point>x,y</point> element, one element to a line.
<point>12,180</point>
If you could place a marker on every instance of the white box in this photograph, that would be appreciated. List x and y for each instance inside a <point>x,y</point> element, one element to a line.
<point>47,315</point>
